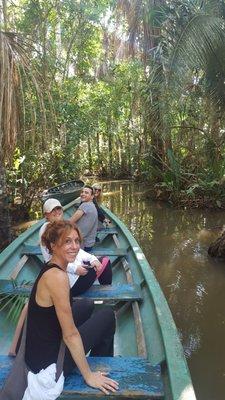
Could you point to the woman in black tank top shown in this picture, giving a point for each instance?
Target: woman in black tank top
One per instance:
(50, 315)
(44, 333)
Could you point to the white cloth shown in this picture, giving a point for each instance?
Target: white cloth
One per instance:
(81, 257)
(44, 250)
(42, 386)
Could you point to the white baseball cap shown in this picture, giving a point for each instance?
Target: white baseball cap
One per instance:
(50, 204)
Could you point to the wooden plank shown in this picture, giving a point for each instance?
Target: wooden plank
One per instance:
(10, 287)
(18, 267)
(30, 250)
(104, 233)
(124, 292)
(109, 231)
(7, 286)
(120, 292)
(137, 378)
(141, 344)
(120, 252)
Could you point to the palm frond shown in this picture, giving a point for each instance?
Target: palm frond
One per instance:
(213, 7)
(198, 41)
(17, 78)
(201, 47)
(13, 298)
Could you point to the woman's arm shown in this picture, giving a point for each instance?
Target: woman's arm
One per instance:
(59, 292)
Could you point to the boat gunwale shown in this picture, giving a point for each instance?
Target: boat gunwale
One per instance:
(14, 245)
(179, 374)
(63, 185)
(7, 252)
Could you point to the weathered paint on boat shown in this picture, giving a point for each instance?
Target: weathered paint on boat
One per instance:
(162, 343)
(65, 192)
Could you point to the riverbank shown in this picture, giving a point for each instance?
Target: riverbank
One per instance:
(194, 197)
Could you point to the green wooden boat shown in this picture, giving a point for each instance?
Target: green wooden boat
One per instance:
(65, 192)
(149, 362)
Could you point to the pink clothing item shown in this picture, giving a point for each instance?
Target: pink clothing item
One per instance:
(104, 261)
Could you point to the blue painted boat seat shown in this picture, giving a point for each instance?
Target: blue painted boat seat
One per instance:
(119, 252)
(32, 250)
(120, 292)
(137, 378)
(35, 250)
(109, 231)
(104, 233)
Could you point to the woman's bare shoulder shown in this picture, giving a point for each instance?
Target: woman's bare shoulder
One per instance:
(56, 275)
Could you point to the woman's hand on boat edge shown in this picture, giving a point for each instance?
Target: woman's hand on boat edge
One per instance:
(99, 380)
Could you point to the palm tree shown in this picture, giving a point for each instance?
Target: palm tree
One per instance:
(15, 71)
(144, 19)
(198, 56)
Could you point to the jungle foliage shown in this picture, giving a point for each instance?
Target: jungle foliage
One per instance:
(126, 88)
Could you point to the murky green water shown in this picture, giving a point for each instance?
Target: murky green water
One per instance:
(193, 284)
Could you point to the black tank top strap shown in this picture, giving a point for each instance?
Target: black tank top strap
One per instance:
(50, 265)
(46, 267)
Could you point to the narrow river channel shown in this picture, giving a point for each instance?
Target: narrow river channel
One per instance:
(194, 285)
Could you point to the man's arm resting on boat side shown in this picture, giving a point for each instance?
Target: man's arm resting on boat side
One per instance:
(59, 291)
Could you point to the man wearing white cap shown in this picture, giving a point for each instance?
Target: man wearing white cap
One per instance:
(52, 210)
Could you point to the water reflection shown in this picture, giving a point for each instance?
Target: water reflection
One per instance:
(193, 284)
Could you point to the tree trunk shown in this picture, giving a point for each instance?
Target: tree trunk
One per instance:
(3, 15)
(5, 223)
(99, 158)
(213, 150)
(128, 140)
(110, 145)
(90, 162)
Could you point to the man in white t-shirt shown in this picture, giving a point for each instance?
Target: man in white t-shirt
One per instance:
(83, 271)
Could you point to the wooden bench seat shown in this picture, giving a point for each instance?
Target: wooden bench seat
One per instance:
(137, 378)
(121, 292)
(104, 232)
(32, 250)
(108, 231)
(122, 252)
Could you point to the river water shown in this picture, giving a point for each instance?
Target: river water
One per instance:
(175, 243)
